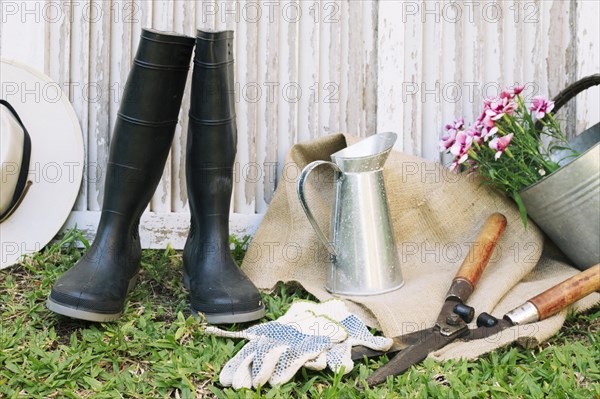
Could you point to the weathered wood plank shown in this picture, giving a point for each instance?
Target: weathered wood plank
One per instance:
(58, 43)
(287, 89)
(331, 54)
(452, 85)
(255, 170)
(588, 62)
(98, 14)
(370, 66)
(79, 78)
(206, 14)
(243, 198)
(299, 79)
(247, 92)
(268, 106)
(413, 80)
(351, 62)
(430, 92)
(390, 70)
(347, 101)
(157, 230)
(509, 43)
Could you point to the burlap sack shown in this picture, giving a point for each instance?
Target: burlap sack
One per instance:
(435, 215)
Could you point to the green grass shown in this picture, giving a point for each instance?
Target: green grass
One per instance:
(157, 351)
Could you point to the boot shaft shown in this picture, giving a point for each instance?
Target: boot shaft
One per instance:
(212, 132)
(213, 100)
(157, 79)
(146, 122)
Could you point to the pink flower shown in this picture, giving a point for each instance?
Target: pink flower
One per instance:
(454, 166)
(489, 131)
(512, 92)
(494, 109)
(508, 94)
(458, 124)
(475, 132)
(501, 106)
(460, 148)
(540, 106)
(447, 140)
(500, 143)
(485, 126)
(518, 90)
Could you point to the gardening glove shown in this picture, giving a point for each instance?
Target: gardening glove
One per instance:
(340, 354)
(279, 348)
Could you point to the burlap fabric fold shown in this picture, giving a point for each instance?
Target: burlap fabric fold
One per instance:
(435, 216)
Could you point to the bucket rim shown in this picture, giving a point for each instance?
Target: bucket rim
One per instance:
(562, 168)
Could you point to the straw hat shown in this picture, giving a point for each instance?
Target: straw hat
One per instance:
(41, 158)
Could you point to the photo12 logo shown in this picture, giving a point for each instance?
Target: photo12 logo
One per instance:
(31, 92)
(471, 11)
(289, 92)
(454, 92)
(52, 92)
(271, 11)
(57, 11)
(38, 172)
(10, 249)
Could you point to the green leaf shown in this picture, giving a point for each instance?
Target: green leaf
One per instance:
(179, 333)
(93, 383)
(12, 367)
(521, 206)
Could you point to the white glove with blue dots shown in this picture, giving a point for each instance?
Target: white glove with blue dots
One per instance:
(309, 334)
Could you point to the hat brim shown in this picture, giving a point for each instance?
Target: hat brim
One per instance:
(57, 160)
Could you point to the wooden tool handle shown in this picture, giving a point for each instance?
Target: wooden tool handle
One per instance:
(569, 291)
(477, 258)
(482, 249)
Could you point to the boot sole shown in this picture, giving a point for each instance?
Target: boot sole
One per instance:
(87, 314)
(225, 318)
(230, 318)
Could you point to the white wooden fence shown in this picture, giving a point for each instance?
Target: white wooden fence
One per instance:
(305, 69)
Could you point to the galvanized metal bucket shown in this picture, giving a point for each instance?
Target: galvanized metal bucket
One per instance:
(566, 203)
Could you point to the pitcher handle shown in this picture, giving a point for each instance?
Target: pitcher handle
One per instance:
(300, 190)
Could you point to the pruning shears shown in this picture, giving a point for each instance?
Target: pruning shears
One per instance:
(451, 323)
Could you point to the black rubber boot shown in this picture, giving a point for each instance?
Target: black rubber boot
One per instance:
(218, 288)
(96, 287)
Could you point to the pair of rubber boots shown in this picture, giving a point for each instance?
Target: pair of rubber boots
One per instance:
(96, 287)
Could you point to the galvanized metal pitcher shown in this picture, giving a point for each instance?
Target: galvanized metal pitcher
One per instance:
(364, 259)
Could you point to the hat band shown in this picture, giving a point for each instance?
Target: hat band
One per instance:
(22, 183)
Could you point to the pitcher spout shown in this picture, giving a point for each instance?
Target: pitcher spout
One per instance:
(367, 155)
